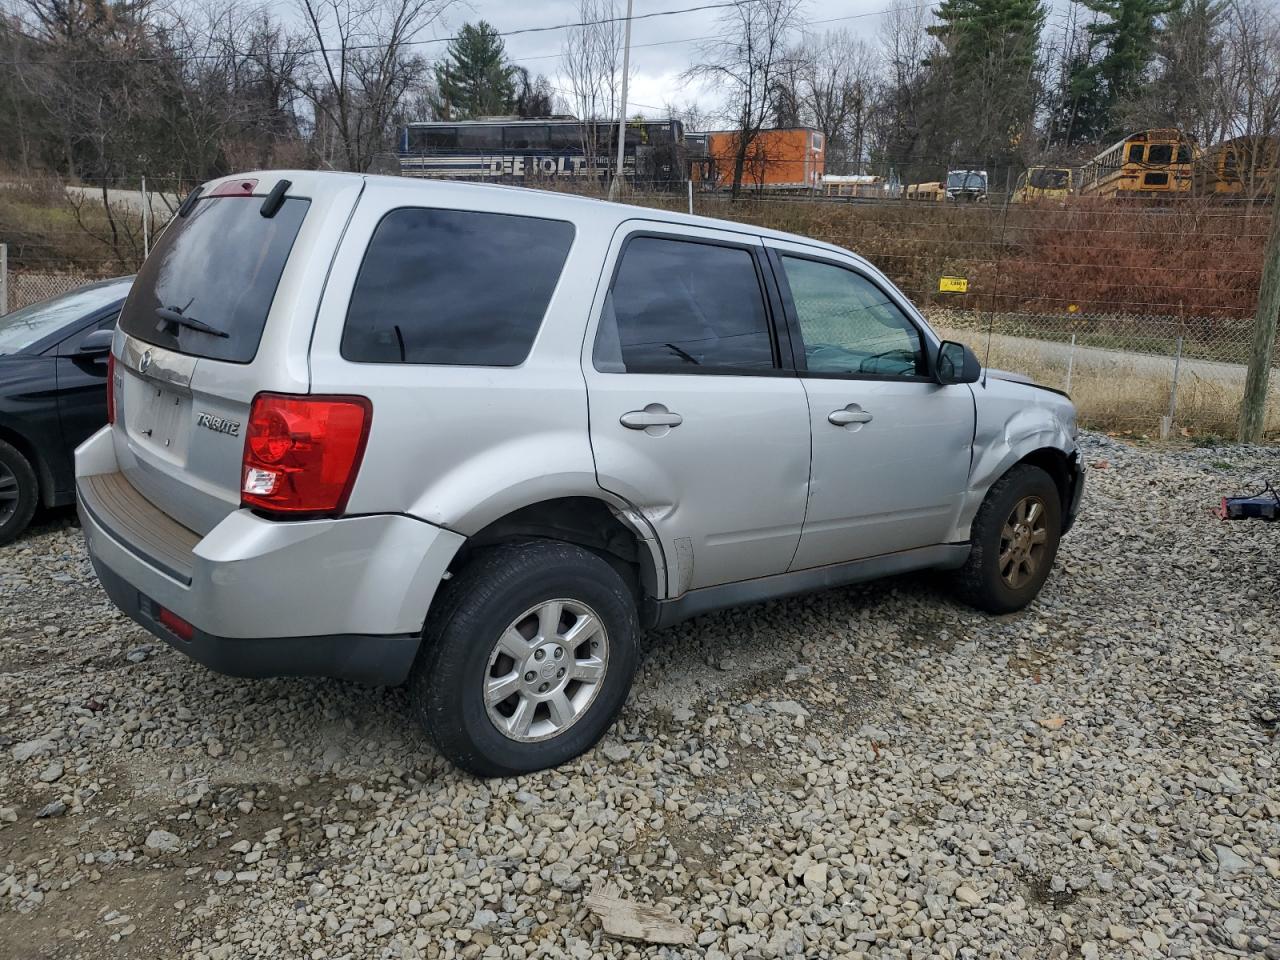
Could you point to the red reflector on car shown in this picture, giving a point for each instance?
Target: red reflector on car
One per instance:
(302, 453)
(175, 624)
(235, 188)
(111, 388)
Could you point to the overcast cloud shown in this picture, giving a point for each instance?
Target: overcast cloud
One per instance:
(661, 47)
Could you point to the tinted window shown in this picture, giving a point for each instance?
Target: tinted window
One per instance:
(454, 287)
(219, 265)
(525, 137)
(848, 324)
(30, 325)
(684, 307)
(1160, 153)
(1135, 152)
(433, 138)
(566, 137)
(480, 138)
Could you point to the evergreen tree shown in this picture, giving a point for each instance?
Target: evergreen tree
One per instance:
(1182, 93)
(984, 82)
(1125, 33)
(475, 79)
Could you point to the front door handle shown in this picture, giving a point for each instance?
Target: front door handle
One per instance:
(654, 415)
(848, 415)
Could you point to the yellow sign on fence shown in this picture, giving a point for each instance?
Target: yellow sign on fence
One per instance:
(953, 285)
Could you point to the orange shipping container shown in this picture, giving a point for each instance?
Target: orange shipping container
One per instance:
(789, 158)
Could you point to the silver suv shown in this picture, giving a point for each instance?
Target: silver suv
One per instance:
(476, 438)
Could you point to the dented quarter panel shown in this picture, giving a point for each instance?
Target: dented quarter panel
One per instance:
(1014, 419)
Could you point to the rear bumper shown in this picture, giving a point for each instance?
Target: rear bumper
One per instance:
(341, 598)
(372, 659)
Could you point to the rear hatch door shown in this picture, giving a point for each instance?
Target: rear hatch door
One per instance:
(222, 309)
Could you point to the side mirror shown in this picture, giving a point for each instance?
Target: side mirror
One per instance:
(96, 344)
(956, 363)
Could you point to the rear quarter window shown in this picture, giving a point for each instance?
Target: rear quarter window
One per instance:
(454, 287)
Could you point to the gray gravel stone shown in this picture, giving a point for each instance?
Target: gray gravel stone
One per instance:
(875, 772)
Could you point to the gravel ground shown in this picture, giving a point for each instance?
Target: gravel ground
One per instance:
(874, 772)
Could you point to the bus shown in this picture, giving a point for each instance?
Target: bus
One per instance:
(516, 149)
(860, 187)
(932, 191)
(1151, 164)
(1243, 168)
(961, 186)
(1043, 183)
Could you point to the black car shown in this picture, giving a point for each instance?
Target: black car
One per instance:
(53, 395)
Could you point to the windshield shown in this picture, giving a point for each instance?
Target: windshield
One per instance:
(1049, 179)
(966, 179)
(208, 284)
(23, 328)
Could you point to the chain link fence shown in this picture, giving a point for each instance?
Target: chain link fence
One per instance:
(1144, 315)
(23, 288)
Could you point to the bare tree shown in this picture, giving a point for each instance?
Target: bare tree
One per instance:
(839, 86)
(746, 60)
(592, 63)
(905, 46)
(364, 65)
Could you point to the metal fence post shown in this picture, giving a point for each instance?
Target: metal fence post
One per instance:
(1166, 425)
(4, 278)
(146, 221)
(1071, 362)
(690, 182)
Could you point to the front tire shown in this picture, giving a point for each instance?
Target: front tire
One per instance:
(1015, 538)
(19, 491)
(527, 659)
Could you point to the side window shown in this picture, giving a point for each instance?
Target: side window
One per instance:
(454, 287)
(679, 306)
(848, 325)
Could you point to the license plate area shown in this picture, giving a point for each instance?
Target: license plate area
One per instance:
(159, 419)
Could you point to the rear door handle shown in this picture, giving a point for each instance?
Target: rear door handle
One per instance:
(654, 415)
(847, 415)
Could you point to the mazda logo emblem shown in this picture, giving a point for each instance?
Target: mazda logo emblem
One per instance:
(145, 362)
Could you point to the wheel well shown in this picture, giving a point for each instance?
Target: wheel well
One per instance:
(44, 478)
(1056, 465)
(584, 521)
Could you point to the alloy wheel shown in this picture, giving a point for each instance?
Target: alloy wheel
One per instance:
(1022, 542)
(546, 670)
(8, 493)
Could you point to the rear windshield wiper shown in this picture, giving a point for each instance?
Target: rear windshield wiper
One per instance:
(175, 315)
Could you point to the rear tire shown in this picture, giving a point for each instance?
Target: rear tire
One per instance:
(527, 658)
(19, 492)
(1015, 538)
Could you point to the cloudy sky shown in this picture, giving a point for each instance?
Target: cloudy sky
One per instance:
(662, 47)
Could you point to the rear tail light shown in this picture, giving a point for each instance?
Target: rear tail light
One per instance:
(302, 453)
(111, 388)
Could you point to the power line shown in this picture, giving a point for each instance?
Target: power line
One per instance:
(518, 31)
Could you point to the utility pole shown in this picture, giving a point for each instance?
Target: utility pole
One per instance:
(615, 188)
(1253, 408)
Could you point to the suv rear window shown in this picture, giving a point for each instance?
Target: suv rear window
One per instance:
(454, 287)
(219, 265)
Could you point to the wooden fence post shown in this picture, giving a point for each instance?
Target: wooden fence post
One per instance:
(1253, 408)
